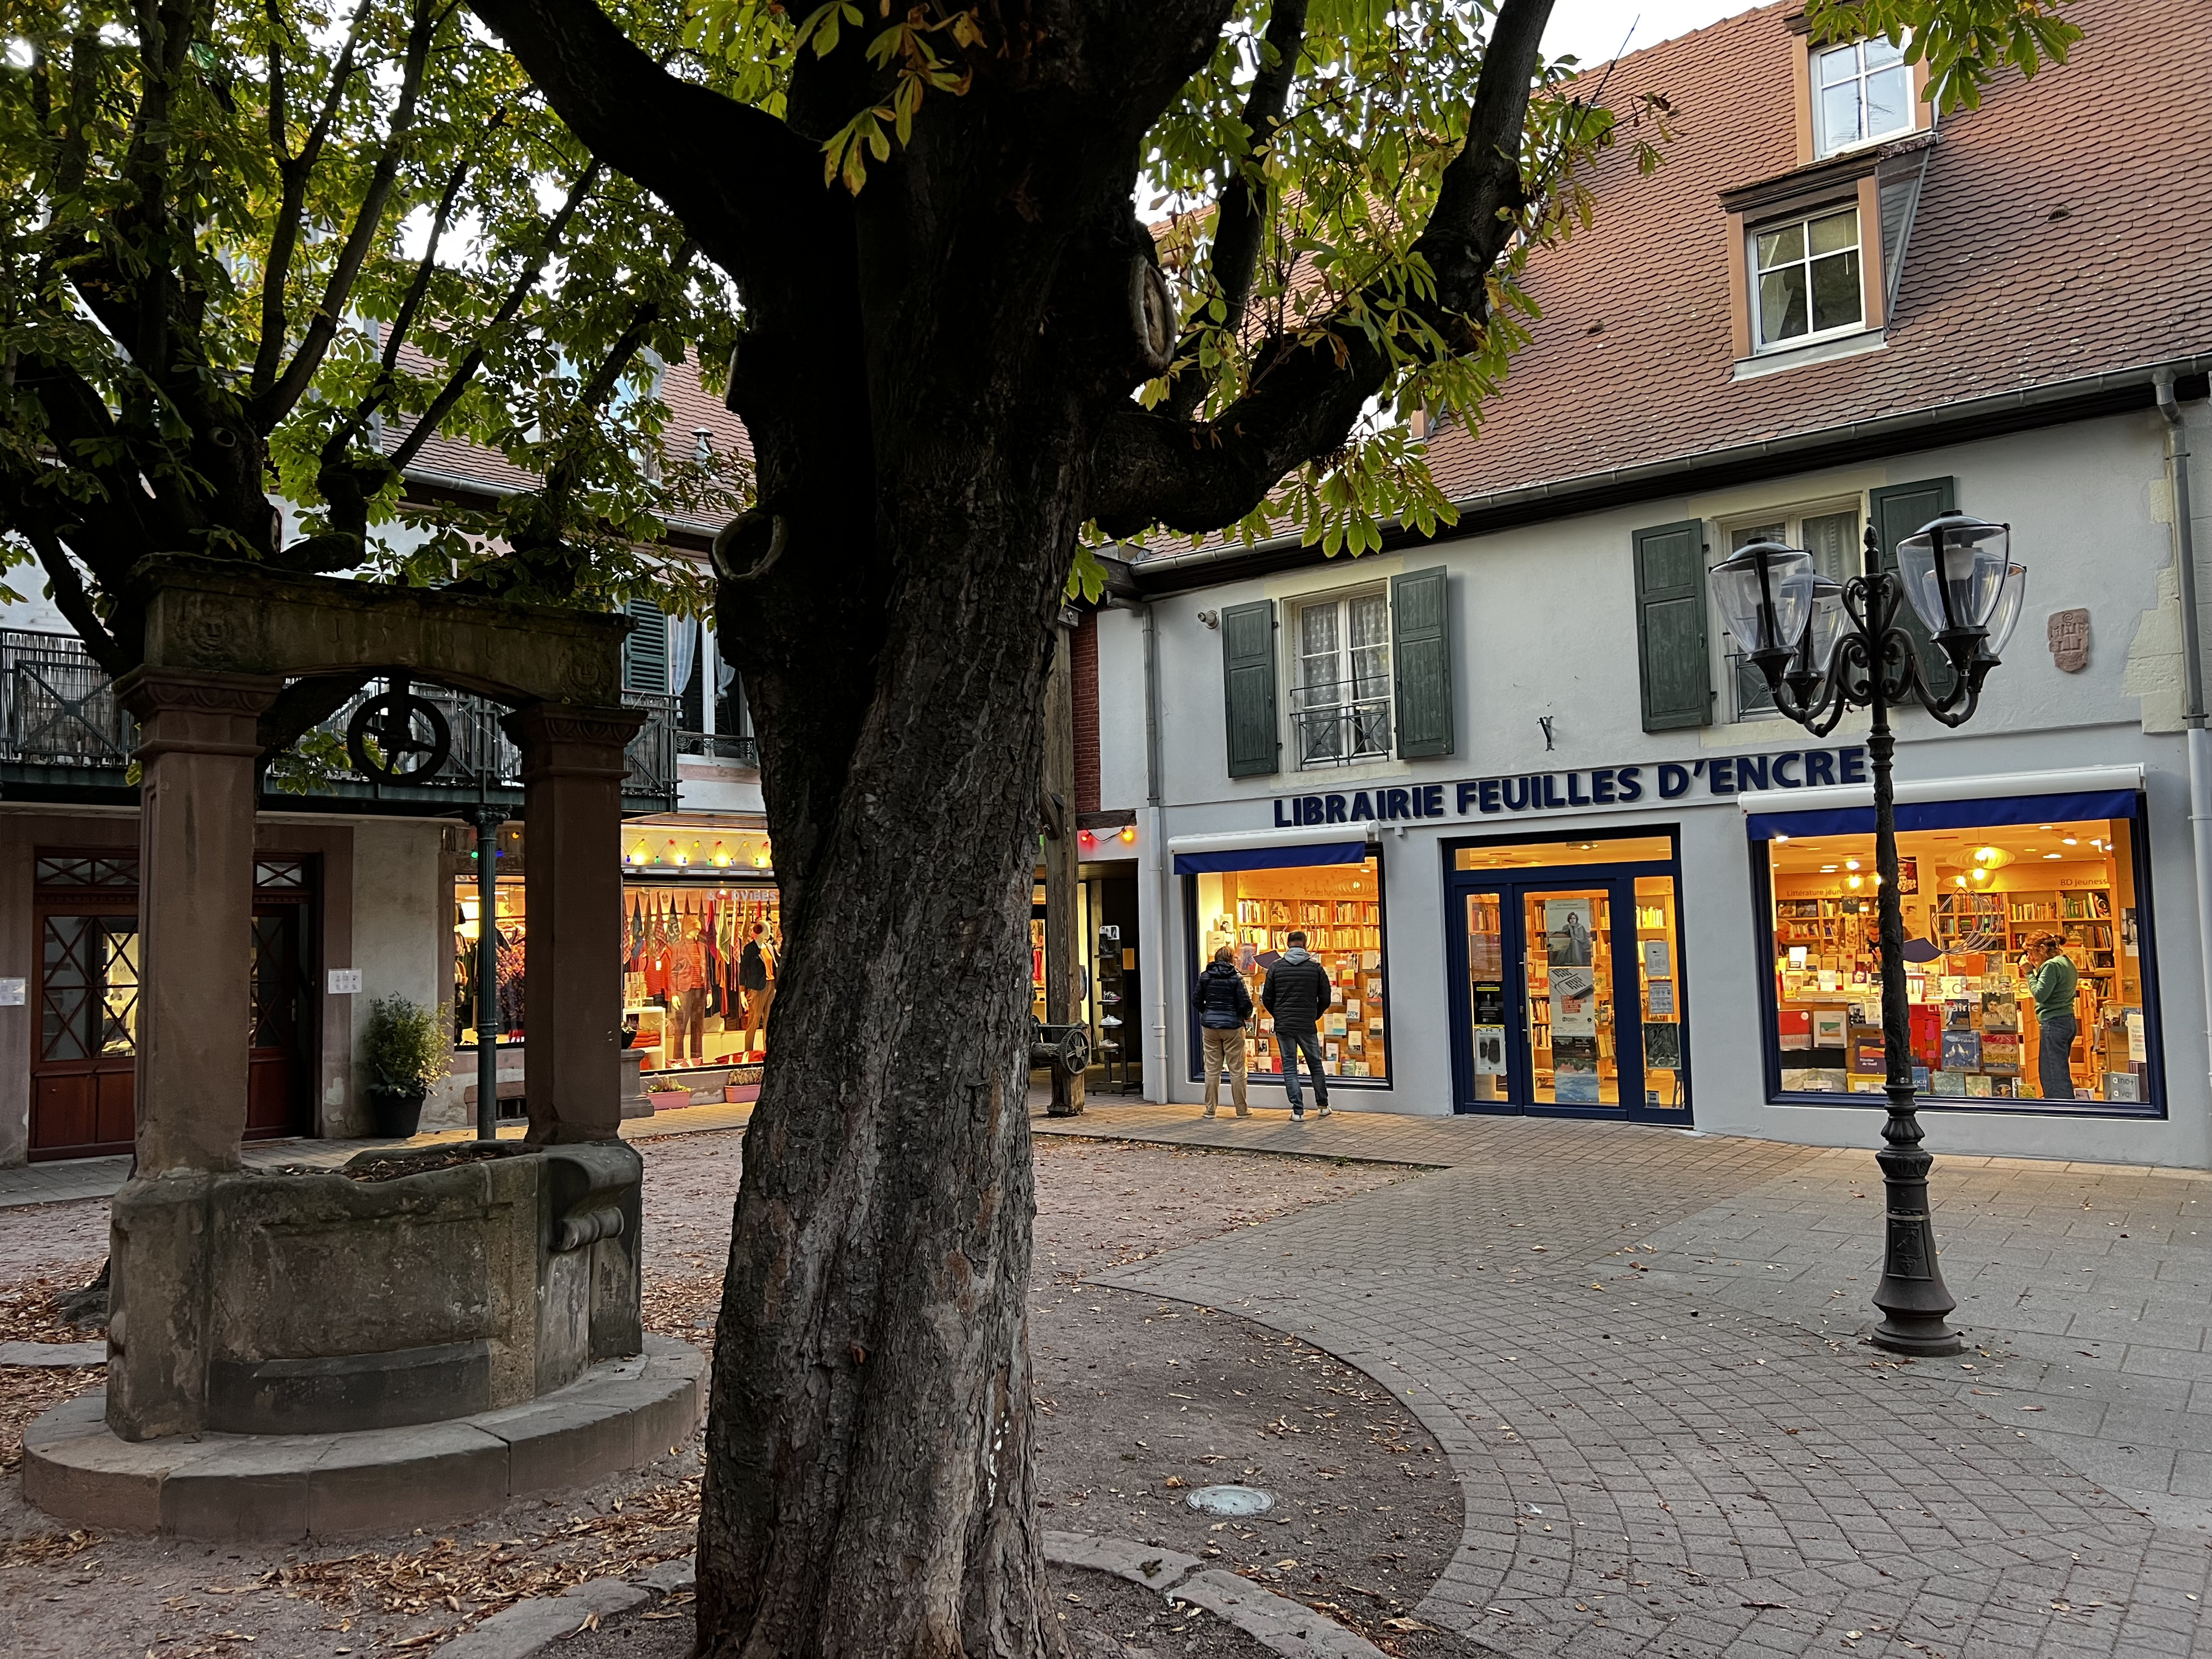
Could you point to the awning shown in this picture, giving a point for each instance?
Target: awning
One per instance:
(1267, 849)
(2003, 798)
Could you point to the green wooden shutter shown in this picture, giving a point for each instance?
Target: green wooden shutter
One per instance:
(1420, 660)
(1247, 688)
(1676, 677)
(645, 653)
(1897, 510)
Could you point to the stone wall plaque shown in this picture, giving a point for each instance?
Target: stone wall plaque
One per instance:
(2070, 640)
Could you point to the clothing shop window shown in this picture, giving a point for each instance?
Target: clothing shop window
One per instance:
(1339, 908)
(1805, 279)
(1861, 92)
(700, 964)
(1340, 684)
(510, 925)
(1981, 884)
(1832, 539)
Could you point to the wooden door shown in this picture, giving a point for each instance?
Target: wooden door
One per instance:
(84, 1068)
(276, 1071)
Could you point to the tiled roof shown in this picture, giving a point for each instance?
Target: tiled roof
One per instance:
(690, 407)
(2001, 289)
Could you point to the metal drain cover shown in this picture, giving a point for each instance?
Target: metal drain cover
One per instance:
(1231, 1500)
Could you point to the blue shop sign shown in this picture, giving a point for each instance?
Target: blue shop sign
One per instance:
(1719, 775)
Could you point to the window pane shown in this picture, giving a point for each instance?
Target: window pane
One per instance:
(1832, 539)
(66, 983)
(1839, 115)
(1744, 537)
(1836, 231)
(1317, 631)
(1879, 51)
(1781, 304)
(1339, 909)
(1836, 296)
(1838, 65)
(1370, 644)
(1888, 101)
(1778, 247)
(1976, 896)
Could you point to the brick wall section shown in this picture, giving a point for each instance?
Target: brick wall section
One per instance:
(1086, 713)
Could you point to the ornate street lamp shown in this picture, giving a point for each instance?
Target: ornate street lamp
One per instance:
(1826, 647)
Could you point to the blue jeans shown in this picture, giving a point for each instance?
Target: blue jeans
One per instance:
(2054, 1044)
(1307, 1043)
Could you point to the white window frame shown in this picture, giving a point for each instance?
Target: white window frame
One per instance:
(1804, 219)
(1822, 149)
(1361, 714)
(1791, 518)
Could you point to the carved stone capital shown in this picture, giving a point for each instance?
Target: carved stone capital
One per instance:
(572, 740)
(179, 709)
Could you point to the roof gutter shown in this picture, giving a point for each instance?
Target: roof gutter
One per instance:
(2051, 405)
(2194, 735)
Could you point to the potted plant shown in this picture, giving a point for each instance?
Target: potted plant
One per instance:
(404, 1052)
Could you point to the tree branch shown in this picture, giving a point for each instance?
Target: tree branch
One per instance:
(271, 404)
(742, 183)
(1241, 216)
(295, 171)
(1152, 468)
(74, 603)
(473, 359)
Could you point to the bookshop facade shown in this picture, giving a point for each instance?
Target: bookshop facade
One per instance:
(1707, 957)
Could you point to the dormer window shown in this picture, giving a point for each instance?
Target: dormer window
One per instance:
(1805, 279)
(1862, 93)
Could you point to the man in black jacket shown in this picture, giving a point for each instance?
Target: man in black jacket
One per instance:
(1222, 1005)
(1297, 993)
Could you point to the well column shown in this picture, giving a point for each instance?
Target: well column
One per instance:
(198, 745)
(573, 766)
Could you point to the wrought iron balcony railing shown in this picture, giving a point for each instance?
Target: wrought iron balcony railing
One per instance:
(719, 745)
(61, 725)
(1333, 727)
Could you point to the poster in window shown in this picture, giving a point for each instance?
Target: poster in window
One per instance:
(1567, 932)
(1574, 1070)
(1490, 1051)
(1656, 964)
(1574, 1002)
(1662, 1046)
(1660, 993)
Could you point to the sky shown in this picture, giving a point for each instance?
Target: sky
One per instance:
(1593, 29)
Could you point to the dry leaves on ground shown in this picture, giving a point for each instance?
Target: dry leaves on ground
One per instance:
(27, 1306)
(683, 1305)
(476, 1580)
(27, 1390)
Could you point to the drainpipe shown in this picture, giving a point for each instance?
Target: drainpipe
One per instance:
(1156, 832)
(2198, 740)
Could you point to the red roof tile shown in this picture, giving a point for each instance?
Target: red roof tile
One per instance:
(1997, 294)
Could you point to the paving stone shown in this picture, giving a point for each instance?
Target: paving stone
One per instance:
(60, 1355)
(1912, 1499)
(1278, 1624)
(530, 1627)
(1140, 1563)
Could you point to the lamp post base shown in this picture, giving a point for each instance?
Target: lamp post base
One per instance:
(1914, 1301)
(1928, 1339)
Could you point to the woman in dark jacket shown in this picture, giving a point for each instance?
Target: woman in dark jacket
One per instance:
(1222, 1005)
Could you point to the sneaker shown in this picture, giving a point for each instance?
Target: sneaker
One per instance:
(1298, 1114)
(1326, 1108)
(1208, 1112)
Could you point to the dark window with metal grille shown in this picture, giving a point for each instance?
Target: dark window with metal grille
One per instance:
(89, 870)
(89, 987)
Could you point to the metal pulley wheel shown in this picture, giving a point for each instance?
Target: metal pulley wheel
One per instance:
(1067, 1047)
(409, 733)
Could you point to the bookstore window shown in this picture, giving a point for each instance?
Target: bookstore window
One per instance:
(1975, 899)
(1339, 908)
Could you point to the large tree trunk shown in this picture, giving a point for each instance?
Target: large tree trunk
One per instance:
(869, 1460)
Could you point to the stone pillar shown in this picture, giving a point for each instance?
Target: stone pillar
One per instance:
(198, 745)
(572, 775)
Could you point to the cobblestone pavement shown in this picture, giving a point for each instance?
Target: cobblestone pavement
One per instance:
(1638, 1347)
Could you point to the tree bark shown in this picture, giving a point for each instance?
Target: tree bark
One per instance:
(936, 376)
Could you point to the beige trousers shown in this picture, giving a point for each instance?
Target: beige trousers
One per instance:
(1223, 1049)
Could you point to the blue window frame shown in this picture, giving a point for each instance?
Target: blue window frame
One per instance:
(1978, 878)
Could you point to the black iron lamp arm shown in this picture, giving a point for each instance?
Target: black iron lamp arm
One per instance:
(1818, 698)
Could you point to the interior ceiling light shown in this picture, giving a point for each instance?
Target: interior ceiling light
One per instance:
(2054, 855)
(1851, 863)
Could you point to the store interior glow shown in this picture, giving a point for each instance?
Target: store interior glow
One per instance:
(672, 853)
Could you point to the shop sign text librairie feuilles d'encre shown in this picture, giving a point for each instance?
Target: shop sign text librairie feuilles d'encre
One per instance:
(1609, 786)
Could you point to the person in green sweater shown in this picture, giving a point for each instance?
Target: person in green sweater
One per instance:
(2050, 981)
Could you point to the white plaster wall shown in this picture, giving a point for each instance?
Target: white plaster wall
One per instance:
(1543, 623)
(718, 789)
(402, 937)
(1121, 780)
